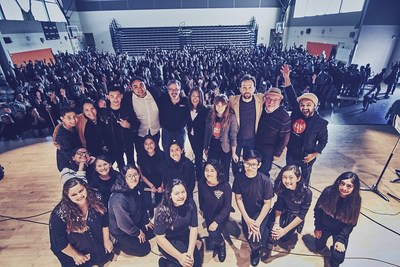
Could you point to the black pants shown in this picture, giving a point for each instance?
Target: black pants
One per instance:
(337, 257)
(118, 155)
(305, 168)
(285, 220)
(256, 245)
(215, 152)
(67, 261)
(215, 238)
(267, 158)
(182, 247)
(197, 145)
(131, 244)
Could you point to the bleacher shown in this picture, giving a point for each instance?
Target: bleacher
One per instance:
(136, 41)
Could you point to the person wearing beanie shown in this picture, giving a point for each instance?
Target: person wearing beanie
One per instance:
(309, 133)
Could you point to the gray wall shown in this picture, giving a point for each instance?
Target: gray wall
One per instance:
(96, 5)
(18, 31)
(373, 41)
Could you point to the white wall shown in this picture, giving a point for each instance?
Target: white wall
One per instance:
(99, 21)
(331, 35)
(21, 44)
(376, 46)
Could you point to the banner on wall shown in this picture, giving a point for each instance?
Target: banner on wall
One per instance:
(316, 49)
(41, 54)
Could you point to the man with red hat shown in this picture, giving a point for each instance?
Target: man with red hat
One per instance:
(309, 133)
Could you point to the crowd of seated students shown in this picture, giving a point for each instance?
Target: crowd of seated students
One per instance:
(31, 95)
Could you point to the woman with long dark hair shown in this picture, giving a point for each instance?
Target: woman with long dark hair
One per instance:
(292, 205)
(215, 199)
(196, 124)
(150, 164)
(176, 227)
(336, 213)
(221, 133)
(178, 166)
(79, 234)
(129, 221)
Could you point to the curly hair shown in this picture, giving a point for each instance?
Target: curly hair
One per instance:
(73, 214)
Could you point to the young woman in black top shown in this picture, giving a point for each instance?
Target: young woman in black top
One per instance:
(103, 177)
(175, 227)
(150, 164)
(336, 213)
(215, 199)
(178, 166)
(79, 234)
(196, 124)
(291, 207)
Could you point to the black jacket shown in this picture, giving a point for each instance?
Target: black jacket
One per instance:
(127, 212)
(316, 134)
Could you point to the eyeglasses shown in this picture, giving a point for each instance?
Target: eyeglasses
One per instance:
(82, 153)
(174, 90)
(252, 165)
(272, 100)
(130, 176)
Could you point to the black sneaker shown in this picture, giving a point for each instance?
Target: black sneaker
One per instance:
(222, 252)
(255, 258)
(162, 262)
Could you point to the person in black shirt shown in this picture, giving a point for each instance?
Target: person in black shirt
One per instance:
(173, 115)
(253, 193)
(129, 221)
(175, 227)
(103, 177)
(215, 199)
(309, 134)
(79, 234)
(196, 126)
(291, 207)
(336, 213)
(122, 125)
(178, 166)
(150, 164)
(67, 138)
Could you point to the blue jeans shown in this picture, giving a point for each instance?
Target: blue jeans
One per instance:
(245, 145)
(168, 137)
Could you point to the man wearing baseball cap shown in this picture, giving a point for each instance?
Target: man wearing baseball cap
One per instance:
(309, 133)
(273, 129)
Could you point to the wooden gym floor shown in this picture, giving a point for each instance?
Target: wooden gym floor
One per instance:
(32, 187)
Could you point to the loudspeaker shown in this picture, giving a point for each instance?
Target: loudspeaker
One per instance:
(7, 40)
(308, 30)
(352, 34)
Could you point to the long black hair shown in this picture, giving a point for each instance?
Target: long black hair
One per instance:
(349, 208)
(167, 212)
(300, 192)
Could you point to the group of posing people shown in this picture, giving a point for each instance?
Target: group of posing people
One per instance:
(250, 130)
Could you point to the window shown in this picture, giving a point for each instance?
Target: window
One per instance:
(309, 8)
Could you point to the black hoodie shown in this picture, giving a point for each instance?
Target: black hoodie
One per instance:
(126, 209)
